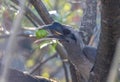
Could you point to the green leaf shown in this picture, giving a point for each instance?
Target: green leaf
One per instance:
(52, 48)
(41, 33)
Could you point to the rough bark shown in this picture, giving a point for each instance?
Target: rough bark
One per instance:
(110, 34)
(88, 21)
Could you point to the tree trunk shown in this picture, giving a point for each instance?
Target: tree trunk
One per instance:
(89, 20)
(110, 34)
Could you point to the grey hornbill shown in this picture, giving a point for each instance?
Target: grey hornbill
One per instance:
(85, 55)
(63, 32)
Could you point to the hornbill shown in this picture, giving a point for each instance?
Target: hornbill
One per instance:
(63, 32)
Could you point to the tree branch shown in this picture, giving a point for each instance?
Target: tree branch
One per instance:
(42, 11)
(30, 15)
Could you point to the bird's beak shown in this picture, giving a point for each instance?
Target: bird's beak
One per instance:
(45, 27)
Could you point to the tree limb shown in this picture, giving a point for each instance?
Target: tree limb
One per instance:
(109, 36)
(30, 15)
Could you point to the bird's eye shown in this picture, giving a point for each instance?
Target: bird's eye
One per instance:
(66, 31)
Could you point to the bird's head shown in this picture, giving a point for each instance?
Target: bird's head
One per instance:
(59, 31)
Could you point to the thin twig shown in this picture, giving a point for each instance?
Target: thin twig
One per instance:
(30, 15)
(18, 35)
(65, 71)
(37, 66)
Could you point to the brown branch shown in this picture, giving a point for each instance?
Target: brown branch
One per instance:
(30, 15)
(42, 11)
(65, 71)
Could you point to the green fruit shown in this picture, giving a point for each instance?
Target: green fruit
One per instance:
(41, 33)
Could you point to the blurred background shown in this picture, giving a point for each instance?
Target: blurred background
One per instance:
(39, 58)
